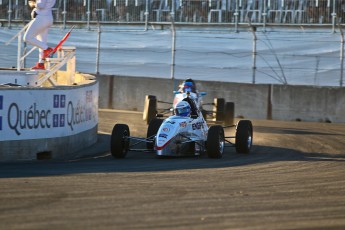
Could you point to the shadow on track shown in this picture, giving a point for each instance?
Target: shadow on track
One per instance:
(103, 162)
(300, 131)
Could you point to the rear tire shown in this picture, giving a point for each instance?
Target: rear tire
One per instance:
(215, 142)
(204, 113)
(219, 104)
(150, 108)
(244, 136)
(152, 130)
(229, 115)
(119, 141)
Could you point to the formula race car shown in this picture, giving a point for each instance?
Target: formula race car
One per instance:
(221, 113)
(181, 134)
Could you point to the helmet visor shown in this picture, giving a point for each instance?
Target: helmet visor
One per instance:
(183, 111)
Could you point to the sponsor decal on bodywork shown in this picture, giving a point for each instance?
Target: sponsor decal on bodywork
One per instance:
(165, 129)
(183, 124)
(197, 125)
(163, 135)
(160, 142)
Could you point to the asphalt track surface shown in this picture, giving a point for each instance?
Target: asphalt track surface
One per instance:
(293, 179)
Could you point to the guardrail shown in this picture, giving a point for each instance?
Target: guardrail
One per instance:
(294, 12)
(19, 35)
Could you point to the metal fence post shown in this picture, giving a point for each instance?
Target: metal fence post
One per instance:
(334, 17)
(341, 56)
(146, 14)
(172, 14)
(254, 53)
(173, 49)
(88, 14)
(236, 17)
(98, 48)
(64, 12)
(9, 13)
(264, 14)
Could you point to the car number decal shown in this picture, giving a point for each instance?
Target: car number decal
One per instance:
(197, 125)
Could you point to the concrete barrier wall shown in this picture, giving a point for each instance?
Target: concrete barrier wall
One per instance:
(280, 102)
(325, 104)
(47, 148)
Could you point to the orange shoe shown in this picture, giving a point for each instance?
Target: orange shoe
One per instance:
(47, 53)
(38, 66)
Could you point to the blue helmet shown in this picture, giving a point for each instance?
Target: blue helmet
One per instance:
(188, 87)
(182, 109)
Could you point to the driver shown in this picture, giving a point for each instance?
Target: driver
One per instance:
(188, 86)
(182, 109)
(192, 104)
(186, 108)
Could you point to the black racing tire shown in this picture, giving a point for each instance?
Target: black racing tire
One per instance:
(244, 136)
(229, 114)
(219, 104)
(152, 130)
(119, 143)
(215, 142)
(150, 108)
(204, 114)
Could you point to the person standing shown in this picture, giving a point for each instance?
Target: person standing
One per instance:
(37, 32)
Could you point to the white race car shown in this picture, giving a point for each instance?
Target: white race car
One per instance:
(184, 133)
(221, 112)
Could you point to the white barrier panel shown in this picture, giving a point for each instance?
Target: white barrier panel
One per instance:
(47, 113)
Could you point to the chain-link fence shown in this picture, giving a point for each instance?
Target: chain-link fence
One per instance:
(289, 58)
(285, 56)
(187, 11)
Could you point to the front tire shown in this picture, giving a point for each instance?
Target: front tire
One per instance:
(244, 136)
(119, 141)
(215, 142)
(152, 130)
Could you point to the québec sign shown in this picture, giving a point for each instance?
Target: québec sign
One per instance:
(33, 114)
